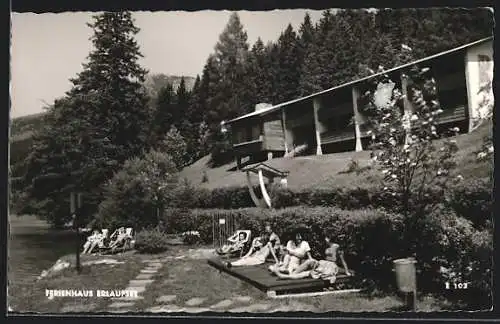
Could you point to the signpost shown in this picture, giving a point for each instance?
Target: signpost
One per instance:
(75, 207)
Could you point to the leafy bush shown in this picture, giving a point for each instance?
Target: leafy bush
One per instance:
(136, 193)
(151, 241)
(473, 200)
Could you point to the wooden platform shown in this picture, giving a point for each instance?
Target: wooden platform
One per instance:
(260, 277)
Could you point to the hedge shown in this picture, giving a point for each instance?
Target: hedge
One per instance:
(372, 239)
(471, 199)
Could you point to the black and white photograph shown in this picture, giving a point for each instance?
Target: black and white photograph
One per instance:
(258, 162)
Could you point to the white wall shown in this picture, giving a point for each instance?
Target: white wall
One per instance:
(477, 73)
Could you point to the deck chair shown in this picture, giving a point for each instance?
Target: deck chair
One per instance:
(105, 241)
(234, 246)
(95, 242)
(123, 241)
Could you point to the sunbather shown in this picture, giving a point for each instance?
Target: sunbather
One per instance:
(92, 241)
(258, 253)
(274, 239)
(121, 235)
(325, 269)
(296, 251)
(238, 241)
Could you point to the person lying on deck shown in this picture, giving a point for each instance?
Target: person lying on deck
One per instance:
(325, 269)
(259, 251)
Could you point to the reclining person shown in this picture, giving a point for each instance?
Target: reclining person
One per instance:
(259, 251)
(238, 242)
(297, 251)
(92, 241)
(325, 269)
(121, 235)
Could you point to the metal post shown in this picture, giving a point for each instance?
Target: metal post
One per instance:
(78, 211)
(74, 213)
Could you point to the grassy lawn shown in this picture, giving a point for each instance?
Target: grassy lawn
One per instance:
(326, 170)
(31, 297)
(189, 278)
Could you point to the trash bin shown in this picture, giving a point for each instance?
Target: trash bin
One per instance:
(406, 274)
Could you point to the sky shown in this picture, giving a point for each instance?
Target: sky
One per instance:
(48, 49)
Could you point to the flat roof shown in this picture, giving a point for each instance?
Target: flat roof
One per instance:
(276, 107)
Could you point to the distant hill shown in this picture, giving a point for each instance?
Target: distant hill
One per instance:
(156, 81)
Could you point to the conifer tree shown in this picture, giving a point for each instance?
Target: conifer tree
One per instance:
(102, 121)
(288, 76)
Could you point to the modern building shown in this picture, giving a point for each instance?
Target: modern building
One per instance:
(322, 122)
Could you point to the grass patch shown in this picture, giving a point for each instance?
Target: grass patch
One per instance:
(189, 278)
(31, 297)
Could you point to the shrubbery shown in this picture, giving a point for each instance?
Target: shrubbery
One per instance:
(137, 192)
(151, 241)
(471, 200)
(372, 239)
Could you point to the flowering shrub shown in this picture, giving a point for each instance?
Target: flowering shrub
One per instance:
(191, 237)
(403, 141)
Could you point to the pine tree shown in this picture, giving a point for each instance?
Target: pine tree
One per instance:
(228, 93)
(288, 77)
(164, 115)
(102, 121)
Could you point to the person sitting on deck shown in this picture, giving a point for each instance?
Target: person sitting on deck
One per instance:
(258, 253)
(296, 251)
(325, 269)
(274, 239)
(238, 241)
(92, 241)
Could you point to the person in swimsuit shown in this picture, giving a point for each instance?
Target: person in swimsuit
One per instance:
(296, 252)
(274, 239)
(258, 253)
(325, 269)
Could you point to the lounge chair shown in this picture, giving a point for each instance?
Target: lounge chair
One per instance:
(235, 246)
(123, 240)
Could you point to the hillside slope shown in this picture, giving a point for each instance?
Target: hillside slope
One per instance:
(328, 170)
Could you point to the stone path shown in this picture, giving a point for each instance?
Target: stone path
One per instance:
(138, 285)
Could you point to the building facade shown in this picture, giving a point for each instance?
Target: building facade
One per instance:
(321, 123)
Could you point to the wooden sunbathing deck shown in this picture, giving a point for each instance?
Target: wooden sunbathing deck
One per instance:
(260, 277)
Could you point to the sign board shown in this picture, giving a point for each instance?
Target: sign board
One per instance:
(222, 221)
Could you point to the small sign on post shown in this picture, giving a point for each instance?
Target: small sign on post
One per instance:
(407, 280)
(222, 221)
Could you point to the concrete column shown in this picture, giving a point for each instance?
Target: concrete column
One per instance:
(317, 126)
(408, 109)
(357, 119)
(285, 132)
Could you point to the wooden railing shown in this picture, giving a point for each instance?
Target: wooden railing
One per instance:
(333, 136)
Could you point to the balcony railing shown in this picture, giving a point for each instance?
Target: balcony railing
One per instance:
(333, 136)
